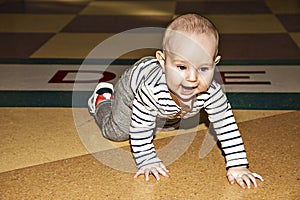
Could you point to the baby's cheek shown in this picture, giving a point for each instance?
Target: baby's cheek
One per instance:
(205, 83)
(202, 87)
(175, 75)
(207, 78)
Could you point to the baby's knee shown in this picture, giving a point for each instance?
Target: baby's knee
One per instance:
(115, 137)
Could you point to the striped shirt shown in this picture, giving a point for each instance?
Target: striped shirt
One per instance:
(152, 99)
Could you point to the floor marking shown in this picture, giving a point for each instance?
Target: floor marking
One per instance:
(48, 77)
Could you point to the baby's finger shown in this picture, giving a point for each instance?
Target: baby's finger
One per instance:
(241, 182)
(163, 172)
(258, 176)
(155, 173)
(230, 179)
(247, 181)
(147, 172)
(164, 167)
(138, 173)
(253, 180)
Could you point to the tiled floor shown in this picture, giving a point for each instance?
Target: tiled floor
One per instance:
(42, 150)
(245, 26)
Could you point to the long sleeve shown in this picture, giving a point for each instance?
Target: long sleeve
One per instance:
(221, 116)
(151, 100)
(142, 128)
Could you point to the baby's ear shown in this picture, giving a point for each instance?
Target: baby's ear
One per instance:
(217, 60)
(161, 58)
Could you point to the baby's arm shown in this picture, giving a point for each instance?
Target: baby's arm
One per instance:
(221, 116)
(142, 127)
(145, 156)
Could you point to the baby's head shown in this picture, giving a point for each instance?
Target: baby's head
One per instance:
(192, 26)
(189, 56)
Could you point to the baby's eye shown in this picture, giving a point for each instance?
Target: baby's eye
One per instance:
(204, 69)
(181, 67)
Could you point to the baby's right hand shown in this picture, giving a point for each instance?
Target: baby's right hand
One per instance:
(155, 169)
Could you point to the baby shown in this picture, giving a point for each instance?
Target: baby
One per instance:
(176, 83)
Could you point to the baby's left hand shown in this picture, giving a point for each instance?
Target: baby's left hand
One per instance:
(242, 175)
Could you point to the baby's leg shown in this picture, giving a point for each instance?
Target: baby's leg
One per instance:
(114, 116)
(108, 125)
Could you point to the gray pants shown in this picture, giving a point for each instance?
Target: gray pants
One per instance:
(114, 117)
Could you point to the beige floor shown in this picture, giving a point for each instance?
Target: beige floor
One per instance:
(32, 136)
(43, 153)
(42, 157)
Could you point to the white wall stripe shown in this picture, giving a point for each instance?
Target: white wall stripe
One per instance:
(22, 77)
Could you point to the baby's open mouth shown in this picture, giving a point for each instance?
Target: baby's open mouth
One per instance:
(187, 90)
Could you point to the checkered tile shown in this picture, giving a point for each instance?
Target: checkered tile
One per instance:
(249, 30)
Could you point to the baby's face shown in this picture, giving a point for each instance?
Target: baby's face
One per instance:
(189, 65)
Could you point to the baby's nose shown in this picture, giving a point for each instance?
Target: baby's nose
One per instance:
(192, 75)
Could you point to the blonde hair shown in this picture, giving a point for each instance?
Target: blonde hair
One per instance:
(191, 24)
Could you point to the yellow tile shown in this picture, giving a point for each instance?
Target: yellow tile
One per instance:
(206, 0)
(246, 23)
(272, 146)
(129, 8)
(247, 115)
(80, 45)
(282, 7)
(33, 23)
(31, 136)
(139, 53)
(70, 45)
(67, 1)
(90, 126)
(296, 38)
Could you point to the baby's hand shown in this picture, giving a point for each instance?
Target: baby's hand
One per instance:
(155, 169)
(242, 175)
